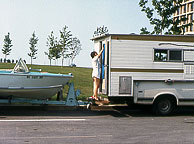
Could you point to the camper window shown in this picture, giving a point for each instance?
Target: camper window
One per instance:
(160, 55)
(175, 55)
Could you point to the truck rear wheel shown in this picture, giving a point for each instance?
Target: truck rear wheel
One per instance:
(164, 106)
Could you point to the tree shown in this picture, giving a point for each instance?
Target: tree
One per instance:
(64, 42)
(164, 21)
(49, 56)
(144, 31)
(33, 42)
(74, 48)
(56, 52)
(100, 31)
(7, 45)
(54, 49)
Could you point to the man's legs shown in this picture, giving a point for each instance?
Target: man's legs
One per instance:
(96, 86)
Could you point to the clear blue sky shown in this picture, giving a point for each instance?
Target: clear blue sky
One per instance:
(22, 17)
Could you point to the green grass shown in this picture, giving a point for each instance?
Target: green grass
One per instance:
(82, 77)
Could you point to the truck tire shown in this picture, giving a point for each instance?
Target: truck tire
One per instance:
(164, 106)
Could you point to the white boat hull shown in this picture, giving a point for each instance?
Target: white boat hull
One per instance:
(29, 93)
(31, 85)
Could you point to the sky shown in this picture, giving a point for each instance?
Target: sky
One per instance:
(23, 17)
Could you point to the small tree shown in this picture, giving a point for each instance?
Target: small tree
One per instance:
(54, 48)
(49, 56)
(7, 45)
(64, 42)
(163, 22)
(74, 49)
(33, 42)
(56, 51)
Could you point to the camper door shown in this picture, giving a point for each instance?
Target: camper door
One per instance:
(104, 67)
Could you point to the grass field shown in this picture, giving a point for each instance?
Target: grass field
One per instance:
(82, 77)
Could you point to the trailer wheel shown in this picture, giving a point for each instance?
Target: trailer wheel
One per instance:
(164, 105)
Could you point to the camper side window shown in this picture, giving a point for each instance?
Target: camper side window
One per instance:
(167, 55)
(175, 55)
(160, 55)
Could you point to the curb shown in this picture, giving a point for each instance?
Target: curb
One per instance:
(60, 107)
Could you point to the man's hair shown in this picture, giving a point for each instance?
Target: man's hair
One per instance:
(93, 54)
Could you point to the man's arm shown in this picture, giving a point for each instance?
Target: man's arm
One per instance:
(100, 53)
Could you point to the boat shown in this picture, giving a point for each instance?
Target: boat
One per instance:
(23, 83)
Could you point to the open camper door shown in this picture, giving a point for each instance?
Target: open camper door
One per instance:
(105, 68)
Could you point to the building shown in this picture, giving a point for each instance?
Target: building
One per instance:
(186, 10)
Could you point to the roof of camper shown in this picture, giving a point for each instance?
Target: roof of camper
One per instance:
(176, 38)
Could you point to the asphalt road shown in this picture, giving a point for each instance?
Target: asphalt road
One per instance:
(24, 125)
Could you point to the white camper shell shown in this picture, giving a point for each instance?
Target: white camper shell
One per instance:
(148, 69)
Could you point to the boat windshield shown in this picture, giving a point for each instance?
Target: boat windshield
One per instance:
(20, 67)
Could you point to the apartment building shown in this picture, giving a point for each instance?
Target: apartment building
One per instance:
(186, 10)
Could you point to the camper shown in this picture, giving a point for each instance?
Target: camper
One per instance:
(147, 69)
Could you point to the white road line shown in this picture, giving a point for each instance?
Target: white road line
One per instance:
(41, 120)
(56, 137)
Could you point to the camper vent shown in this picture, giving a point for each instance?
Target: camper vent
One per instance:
(125, 85)
(189, 69)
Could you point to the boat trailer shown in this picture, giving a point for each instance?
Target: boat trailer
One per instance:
(71, 99)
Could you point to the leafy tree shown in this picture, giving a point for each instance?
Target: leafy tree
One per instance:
(33, 42)
(49, 56)
(64, 42)
(74, 48)
(144, 31)
(7, 45)
(164, 21)
(100, 31)
(54, 49)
